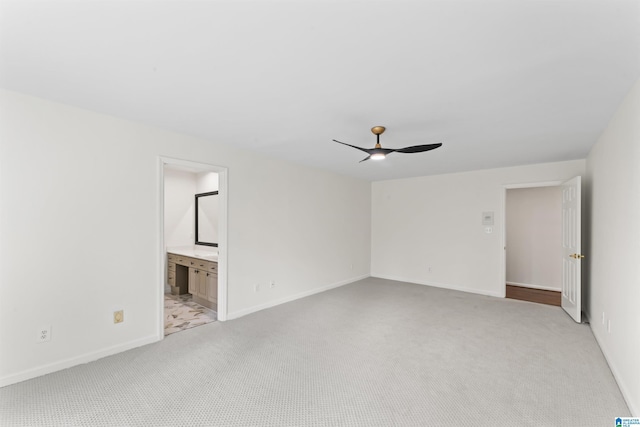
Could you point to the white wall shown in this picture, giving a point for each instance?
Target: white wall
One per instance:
(207, 182)
(534, 237)
(179, 207)
(180, 187)
(429, 230)
(80, 231)
(614, 259)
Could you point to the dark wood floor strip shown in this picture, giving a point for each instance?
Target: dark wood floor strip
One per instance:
(533, 295)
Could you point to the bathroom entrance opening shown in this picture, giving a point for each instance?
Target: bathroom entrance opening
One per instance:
(192, 267)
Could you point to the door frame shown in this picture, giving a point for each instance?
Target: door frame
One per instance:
(222, 235)
(505, 187)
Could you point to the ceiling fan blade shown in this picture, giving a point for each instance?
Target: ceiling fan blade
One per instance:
(366, 150)
(418, 148)
(365, 159)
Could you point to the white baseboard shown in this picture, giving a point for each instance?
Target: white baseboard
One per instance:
(74, 361)
(635, 410)
(529, 285)
(244, 312)
(497, 294)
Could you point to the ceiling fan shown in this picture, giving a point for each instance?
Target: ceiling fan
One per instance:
(379, 153)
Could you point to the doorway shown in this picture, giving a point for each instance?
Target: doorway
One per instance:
(177, 229)
(533, 243)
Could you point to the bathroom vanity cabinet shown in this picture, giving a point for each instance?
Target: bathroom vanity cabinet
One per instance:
(203, 283)
(197, 276)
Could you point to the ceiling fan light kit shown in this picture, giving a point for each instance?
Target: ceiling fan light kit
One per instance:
(379, 153)
(377, 131)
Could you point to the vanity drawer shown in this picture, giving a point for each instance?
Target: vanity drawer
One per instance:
(184, 260)
(178, 259)
(203, 265)
(171, 278)
(213, 267)
(171, 266)
(172, 257)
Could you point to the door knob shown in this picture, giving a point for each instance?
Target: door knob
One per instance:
(576, 256)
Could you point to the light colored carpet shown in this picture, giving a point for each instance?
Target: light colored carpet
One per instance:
(372, 353)
(181, 313)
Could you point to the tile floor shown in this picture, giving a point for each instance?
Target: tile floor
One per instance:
(181, 313)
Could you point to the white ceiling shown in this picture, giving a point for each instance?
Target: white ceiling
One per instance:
(499, 83)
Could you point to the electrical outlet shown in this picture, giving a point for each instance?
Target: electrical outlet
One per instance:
(272, 284)
(44, 334)
(118, 316)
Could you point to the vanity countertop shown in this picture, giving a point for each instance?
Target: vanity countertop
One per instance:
(206, 256)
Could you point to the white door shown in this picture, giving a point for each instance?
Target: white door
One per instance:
(571, 261)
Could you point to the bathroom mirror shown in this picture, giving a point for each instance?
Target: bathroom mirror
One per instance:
(207, 219)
